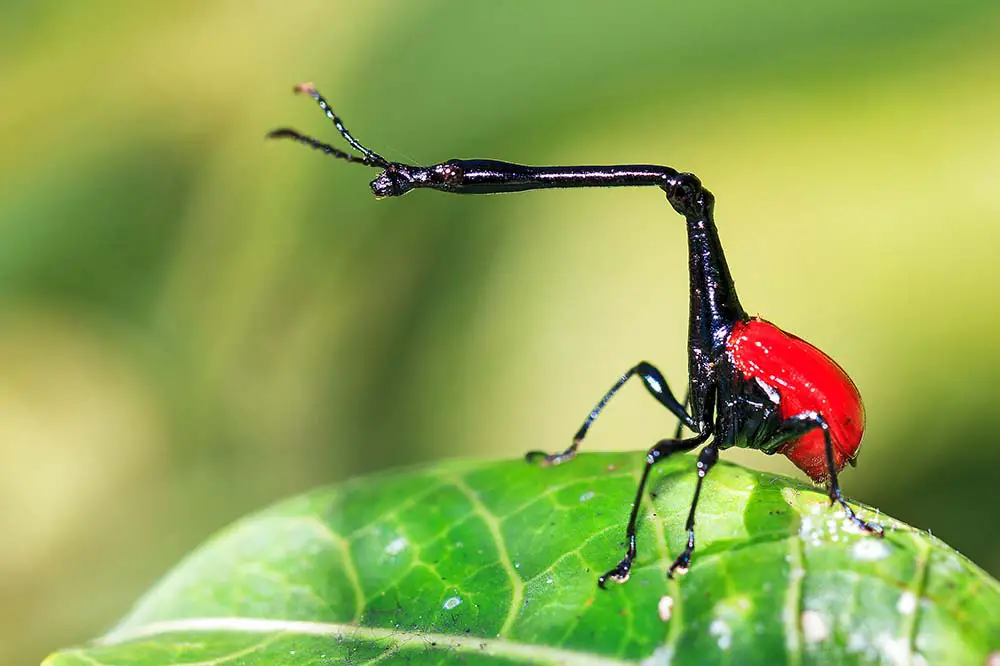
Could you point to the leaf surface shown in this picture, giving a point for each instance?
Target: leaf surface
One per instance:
(496, 563)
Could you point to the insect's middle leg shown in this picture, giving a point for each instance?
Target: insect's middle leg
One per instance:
(706, 460)
(657, 386)
(660, 450)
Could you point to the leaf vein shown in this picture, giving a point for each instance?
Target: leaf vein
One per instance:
(792, 611)
(350, 569)
(394, 512)
(919, 588)
(493, 525)
(573, 552)
(553, 490)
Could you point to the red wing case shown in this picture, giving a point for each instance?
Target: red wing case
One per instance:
(807, 381)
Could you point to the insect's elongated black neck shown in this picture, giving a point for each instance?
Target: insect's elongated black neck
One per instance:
(496, 177)
(714, 305)
(715, 308)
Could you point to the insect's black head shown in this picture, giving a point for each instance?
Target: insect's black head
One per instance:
(398, 179)
(395, 181)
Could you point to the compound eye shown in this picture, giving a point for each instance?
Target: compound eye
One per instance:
(450, 174)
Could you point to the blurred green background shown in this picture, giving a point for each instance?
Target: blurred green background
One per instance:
(195, 322)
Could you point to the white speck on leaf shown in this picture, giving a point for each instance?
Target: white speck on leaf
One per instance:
(665, 606)
(452, 602)
(859, 642)
(589, 495)
(729, 612)
(396, 546)
(814, 627)
(548, 581)
(869, 550)
(722, 633)
(662, 656)
(897, 649)
(907, 603)
(806, 529)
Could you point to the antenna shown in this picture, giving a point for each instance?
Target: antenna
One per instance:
(370, 158)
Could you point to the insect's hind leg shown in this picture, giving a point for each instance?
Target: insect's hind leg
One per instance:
(658, 452)
(657, 386)
(800, 424)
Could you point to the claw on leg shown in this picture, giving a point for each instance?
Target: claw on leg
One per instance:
(544, 459)
(863, 525)
(680, 565)
(619, 574)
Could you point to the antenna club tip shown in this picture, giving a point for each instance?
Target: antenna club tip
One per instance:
(308, 88)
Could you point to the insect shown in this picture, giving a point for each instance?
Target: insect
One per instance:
(750, 383)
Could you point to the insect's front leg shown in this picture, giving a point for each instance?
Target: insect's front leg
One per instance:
(657, 386)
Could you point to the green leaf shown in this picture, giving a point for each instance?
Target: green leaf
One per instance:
(496, 563)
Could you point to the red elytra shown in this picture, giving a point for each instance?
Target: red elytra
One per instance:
(807, 381)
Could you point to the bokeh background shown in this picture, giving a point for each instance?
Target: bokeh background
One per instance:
(195, 322)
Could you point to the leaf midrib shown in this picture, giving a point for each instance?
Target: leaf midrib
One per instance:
(526, 652)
